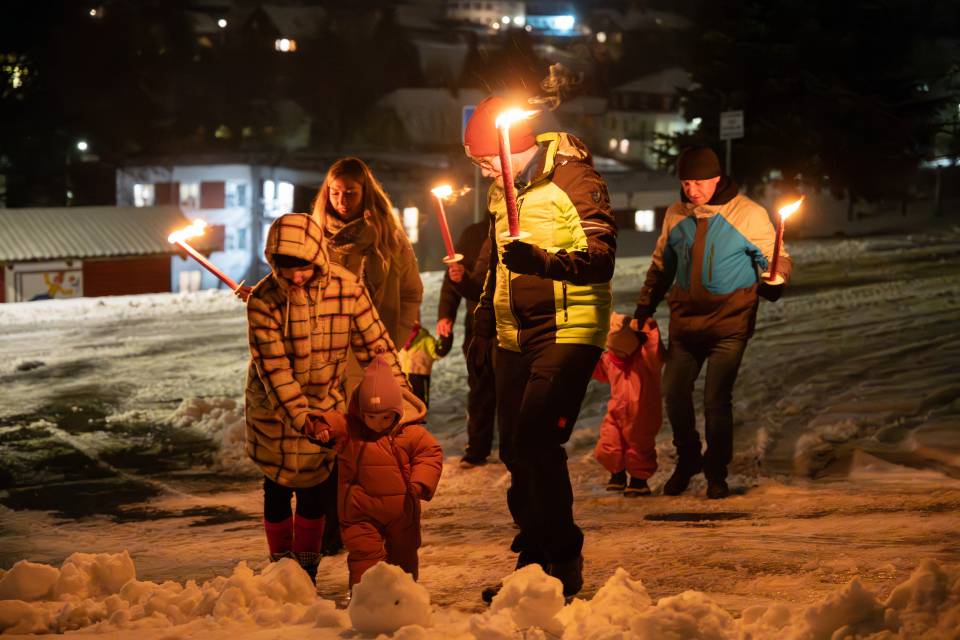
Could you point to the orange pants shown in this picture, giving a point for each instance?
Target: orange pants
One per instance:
(369, 542)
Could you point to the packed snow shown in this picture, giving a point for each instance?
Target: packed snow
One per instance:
(130, 511)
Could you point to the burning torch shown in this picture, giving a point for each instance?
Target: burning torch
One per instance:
(439, 193)
(772, 277)
(503, 122)
(197, 228)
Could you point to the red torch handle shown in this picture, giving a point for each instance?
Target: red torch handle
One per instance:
(776, 249)
(506, 170)
(444, 228)
(227, 280)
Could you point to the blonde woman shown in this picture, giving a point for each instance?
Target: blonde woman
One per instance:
(363, 235)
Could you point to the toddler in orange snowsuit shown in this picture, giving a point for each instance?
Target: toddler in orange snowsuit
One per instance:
(388, 463)
(629, 430)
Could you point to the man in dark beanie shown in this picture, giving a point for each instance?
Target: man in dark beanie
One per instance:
(713, 247)
(547, 301)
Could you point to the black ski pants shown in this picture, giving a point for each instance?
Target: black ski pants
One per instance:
(539, 392)
(481, 405)
(685, 358)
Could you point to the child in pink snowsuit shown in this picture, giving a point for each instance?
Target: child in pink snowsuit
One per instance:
(628, 433)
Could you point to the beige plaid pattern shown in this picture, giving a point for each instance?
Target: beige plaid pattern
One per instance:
(299, 340)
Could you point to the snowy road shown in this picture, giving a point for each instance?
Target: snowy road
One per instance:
(120, 422)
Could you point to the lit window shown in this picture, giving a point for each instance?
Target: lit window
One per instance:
(190, 280)
(624, 146)
(411, 223)
(613, 144)
(285, 45)
(564, 23)
(285, 197)
(190, 195)
(643, 219)
(144, 195)
(601, 37)
(235, 192)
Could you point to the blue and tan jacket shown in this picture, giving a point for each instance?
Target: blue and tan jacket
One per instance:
(563, 204)
(712, 255)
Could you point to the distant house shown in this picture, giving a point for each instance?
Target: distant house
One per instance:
(641, 109)
(71, 252)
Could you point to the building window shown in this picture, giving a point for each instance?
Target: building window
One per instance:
(644, 220)
(236, 193)
(144, 195)
(190, 195)
(277, 197)
(242, 239)
(190, 281)
(411, 223)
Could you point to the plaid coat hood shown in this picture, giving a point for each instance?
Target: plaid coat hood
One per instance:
(299, 338)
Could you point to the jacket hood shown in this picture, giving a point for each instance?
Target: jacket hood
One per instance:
(300, 236)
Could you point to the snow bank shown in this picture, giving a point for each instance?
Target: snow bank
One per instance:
(100, 594)
(219, 419)
(386, 599)
(153, 305)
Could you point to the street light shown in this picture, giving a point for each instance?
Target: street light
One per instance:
(222, 23)
(82, 145)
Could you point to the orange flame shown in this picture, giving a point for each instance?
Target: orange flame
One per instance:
(196, 228)
(447, 193)
(443, 191)
(510, 116)
(790, 209)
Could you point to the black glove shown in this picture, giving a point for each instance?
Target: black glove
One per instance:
(527, 259)
(768, 291)
(478, 351)
(444, 344)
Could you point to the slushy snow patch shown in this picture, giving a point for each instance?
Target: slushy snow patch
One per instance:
(386, 599)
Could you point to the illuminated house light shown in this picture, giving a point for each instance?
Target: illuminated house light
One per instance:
(624, 146)
(505, 19)
(644, 220)
(222, 23)
(601, 37)
(82, 145)
(564, 23)
(518, 21)
(411, 223)
(613, 144)
(285, 45)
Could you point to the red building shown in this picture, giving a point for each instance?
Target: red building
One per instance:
(88, 251)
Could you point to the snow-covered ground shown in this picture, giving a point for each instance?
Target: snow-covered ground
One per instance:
(121, 442)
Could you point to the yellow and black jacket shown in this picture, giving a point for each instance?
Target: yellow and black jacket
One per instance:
(563, 204)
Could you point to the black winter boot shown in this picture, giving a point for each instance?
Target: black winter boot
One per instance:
(717, 488)
(637, 487)
(680, 479)
(617, 481)
(309, 561)
(570, 573)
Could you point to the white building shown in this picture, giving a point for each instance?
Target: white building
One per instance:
(641, 109)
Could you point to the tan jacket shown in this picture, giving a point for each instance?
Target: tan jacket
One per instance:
(299, 338)
(394, 287)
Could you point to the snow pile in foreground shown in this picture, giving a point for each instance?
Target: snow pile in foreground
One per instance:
(100, 594)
